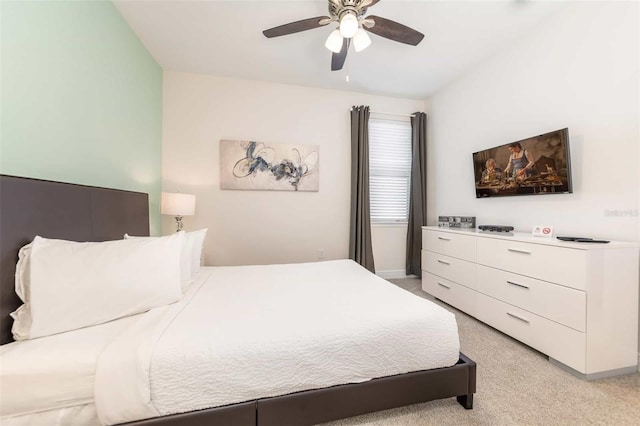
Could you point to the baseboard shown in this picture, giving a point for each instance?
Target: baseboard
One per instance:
(593, 376)
(394, 274)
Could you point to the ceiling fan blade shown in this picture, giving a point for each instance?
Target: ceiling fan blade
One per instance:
(338, 59)
(394, 31)
(296, 27)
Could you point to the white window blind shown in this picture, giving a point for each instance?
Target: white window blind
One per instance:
(389, 170)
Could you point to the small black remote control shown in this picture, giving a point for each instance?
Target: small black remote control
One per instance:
(582, 240)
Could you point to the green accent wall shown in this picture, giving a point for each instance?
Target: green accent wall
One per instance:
(81, 98)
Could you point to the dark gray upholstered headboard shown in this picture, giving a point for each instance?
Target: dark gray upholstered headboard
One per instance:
(30, 207)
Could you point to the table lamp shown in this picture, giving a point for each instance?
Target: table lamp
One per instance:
(178, 205)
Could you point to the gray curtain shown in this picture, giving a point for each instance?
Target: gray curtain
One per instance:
(418, 194)
(360, 248)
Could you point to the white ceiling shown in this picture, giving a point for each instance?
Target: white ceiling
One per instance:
(225, 38)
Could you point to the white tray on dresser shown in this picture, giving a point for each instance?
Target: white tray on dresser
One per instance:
(575, 302)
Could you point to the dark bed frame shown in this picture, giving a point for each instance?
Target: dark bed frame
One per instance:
(30, 207)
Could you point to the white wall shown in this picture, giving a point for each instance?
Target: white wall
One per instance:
(579, 70)
(258, 227)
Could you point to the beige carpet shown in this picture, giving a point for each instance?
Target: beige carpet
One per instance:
(516, 385)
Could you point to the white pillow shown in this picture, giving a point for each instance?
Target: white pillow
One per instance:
(195, 241)
(22, 272)
(185, 260)
(67, 285)
(22, 290)
(192, 252)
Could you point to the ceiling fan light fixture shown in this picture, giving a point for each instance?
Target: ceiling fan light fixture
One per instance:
(361, 40)
(348, 25)
(352, 19)
(334, 41)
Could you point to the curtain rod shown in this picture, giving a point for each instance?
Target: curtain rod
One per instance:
(388, 113)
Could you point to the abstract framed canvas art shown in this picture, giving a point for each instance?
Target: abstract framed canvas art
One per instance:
(268, 166)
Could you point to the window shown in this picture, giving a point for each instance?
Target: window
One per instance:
(389, 170)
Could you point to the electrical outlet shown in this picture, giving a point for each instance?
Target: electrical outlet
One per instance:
(320, 253)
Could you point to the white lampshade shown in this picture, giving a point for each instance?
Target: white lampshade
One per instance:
(348, 25)
(176, 204)
(334, 41)
(361, 40)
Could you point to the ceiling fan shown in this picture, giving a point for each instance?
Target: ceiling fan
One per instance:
(352, 23)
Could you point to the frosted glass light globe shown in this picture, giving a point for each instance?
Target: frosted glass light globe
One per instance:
(361, 40)
(334, 41)
(348, 25)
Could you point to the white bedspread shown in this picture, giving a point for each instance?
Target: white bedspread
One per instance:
(52, 372)
(51, 380)
(257, 331)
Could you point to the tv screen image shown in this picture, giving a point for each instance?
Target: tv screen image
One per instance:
(533, 166)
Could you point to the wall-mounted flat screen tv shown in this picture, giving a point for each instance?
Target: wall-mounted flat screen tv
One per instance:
(533, 166)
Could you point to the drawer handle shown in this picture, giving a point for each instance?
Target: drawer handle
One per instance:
(444, 261)
(518, 317)
(519, 251)
(444, 239)
(517, 285)
(444, 285)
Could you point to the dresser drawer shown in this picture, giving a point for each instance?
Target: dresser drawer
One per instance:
(450, 268)
(451, 244)
(449, 292)
(559, 265)
(562, 343)
(555, 302)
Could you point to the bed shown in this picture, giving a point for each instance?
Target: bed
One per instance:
(328, 392)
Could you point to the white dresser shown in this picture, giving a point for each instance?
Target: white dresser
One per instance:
(575, 302)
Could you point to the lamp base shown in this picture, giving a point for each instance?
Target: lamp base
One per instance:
(179, 225)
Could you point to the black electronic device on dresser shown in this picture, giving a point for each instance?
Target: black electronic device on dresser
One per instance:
(496, 228)
(582, 240)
